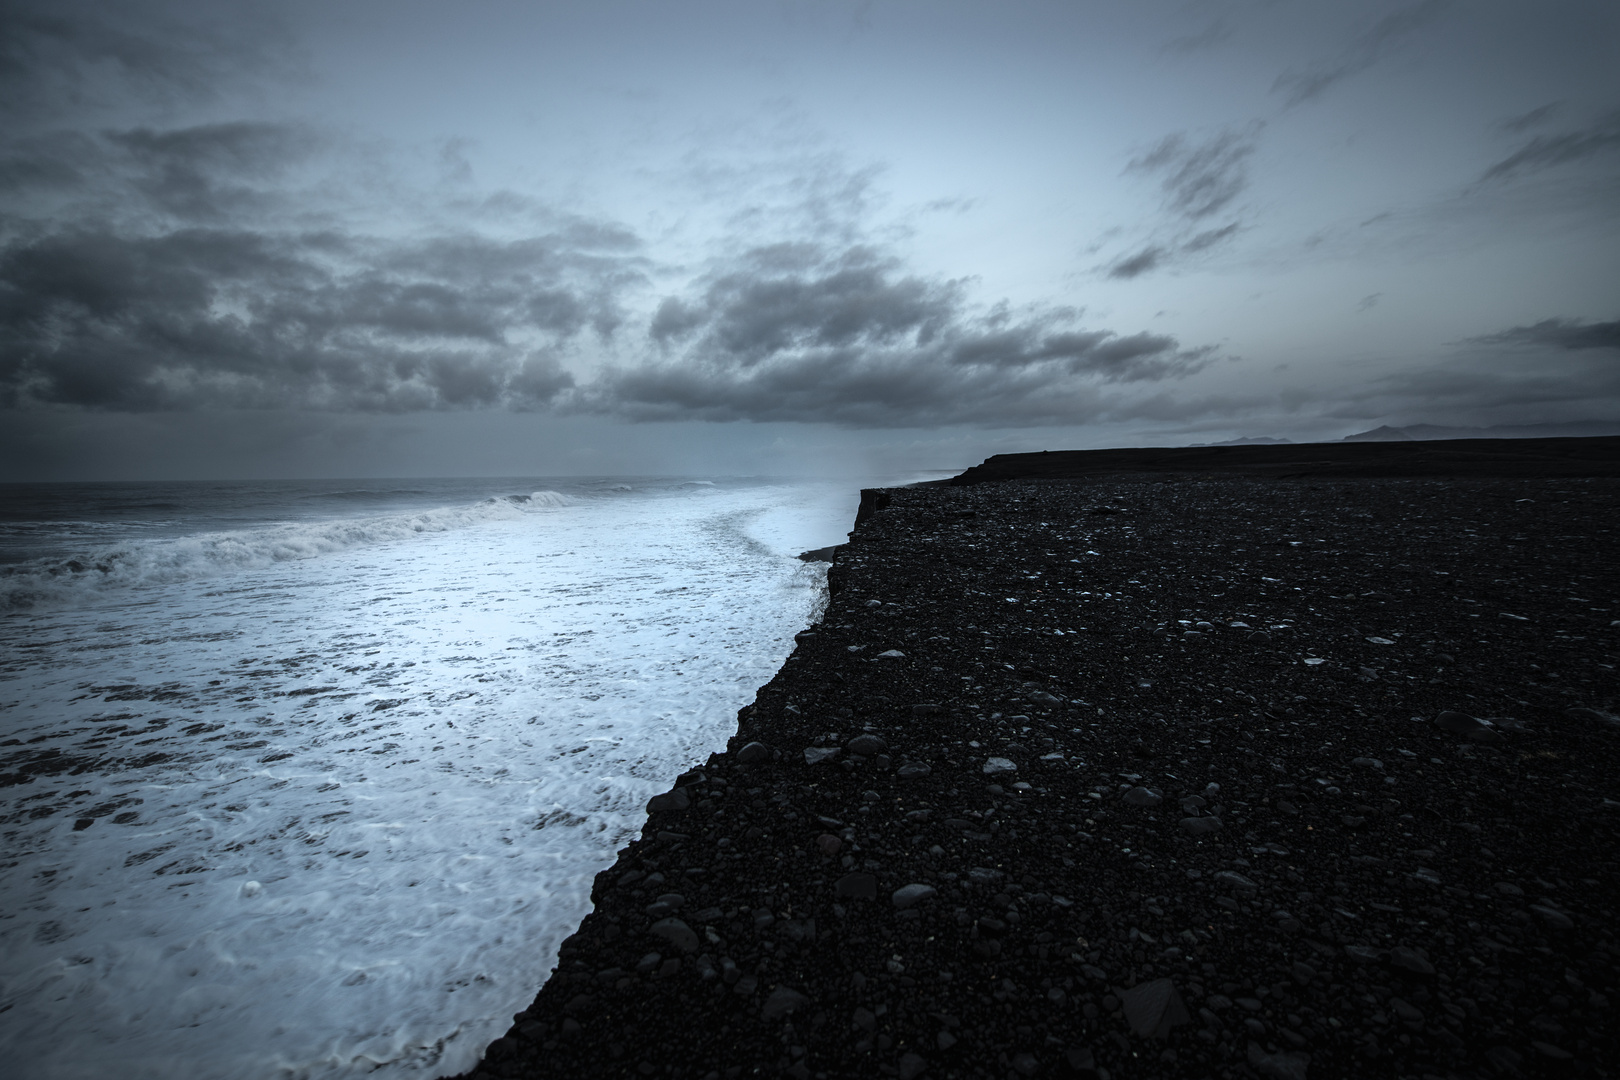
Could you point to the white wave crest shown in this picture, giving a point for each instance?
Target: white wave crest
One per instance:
(98, 571)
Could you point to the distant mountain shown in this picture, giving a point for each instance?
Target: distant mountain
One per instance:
(1429, 432)
(1259, 440)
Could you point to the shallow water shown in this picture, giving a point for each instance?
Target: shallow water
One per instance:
(312, 780)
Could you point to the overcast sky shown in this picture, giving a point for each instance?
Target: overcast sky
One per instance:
(490, 238)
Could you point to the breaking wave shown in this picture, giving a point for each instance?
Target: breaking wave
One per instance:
(97, 571)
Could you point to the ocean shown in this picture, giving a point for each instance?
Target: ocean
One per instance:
(310, 779)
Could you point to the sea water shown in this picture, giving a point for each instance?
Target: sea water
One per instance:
(311, 779)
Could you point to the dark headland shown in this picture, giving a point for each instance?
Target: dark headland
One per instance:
(1260, 761)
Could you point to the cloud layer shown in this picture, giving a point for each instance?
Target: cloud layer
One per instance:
(801, 332)
(178, 269)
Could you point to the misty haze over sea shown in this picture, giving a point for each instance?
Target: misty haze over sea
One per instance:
(300, 779)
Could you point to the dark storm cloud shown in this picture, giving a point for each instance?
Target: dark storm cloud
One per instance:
(68, 54)
(1198, 181)
(799, 333)
(1566, 334)
(1547, 151)
(1298, 87)
(210, 318)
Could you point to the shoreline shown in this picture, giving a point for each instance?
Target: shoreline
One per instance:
(1176, 849)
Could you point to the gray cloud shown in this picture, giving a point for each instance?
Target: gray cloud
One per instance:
(800, 333)
(1298, 87)
(1198, 180)
(69, 54)
(1547, 151)
(1565, 334)
(1133, 266)
(210, 318)
(1527, 120)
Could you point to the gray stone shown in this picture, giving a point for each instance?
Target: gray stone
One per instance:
(815, 755)
(915, 893)
(891, 654)
(754, 752)
(983, 875)
(1200, 826)
(1041, 697)
(649, 963)
(1153, 1008)
(1468, 727)
(1554, 918)
(1367, 763)
(1289, 1065)
(1235, 880)
(781, 1002)
(913, 1065)
(675, 932)
(927, 710)
(1141, 796)
(1303, 973)
(866, 745)
(996, 766)
(857, 886)
(677, 799)
(913, 770)
(1410, 960)
(1607, 719)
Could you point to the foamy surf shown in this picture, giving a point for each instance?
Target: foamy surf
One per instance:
(331, 814)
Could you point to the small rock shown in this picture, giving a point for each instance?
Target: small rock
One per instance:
(1200, 826)
(1605, 718)
(1153, 1008)
(1141, 796)
(857, 886)
(815, 755)
(997, 765)
(781, 1002)
(754, 752)
(1233, 879)
(1405, 1010)
(1281, 1066)
(891, 654)
(1303, 973)
(1507, 888)
(1469, 727)
(983, 875)
(1410, 960)
(669, 800)
(1556, 1053)
(649, 963)
(866, 745)
(828, 844)
(675, 932)
(1553, 917)
(927, 710)
(1025, 1064)
(1361, 954)
(915, 893)
(1041, 697)
(913, 770)
(912, 1065)
(1367, 763)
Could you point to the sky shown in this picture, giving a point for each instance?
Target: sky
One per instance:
(397, 238)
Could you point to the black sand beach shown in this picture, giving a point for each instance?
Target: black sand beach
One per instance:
(1294, 761)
